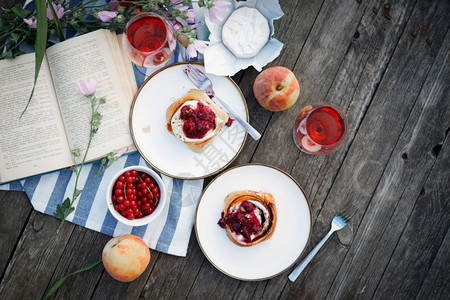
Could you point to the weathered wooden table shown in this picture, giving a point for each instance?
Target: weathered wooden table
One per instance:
(387, 66)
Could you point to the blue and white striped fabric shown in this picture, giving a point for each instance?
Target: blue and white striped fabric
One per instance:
(169, 233)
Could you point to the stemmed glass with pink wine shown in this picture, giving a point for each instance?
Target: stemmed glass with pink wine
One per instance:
(149, 40)
(320, 129)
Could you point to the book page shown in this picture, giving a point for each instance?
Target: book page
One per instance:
(93, 55)
(36, 142)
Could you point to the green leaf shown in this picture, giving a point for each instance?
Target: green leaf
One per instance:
(76, 152)
(7, 54)
(20, 11)
(55, 287)
(63, 209)
(40, 45)
(15, 37)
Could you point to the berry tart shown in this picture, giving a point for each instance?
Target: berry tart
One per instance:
(195, 119)
(249, 217)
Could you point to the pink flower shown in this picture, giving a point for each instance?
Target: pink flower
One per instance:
(216, 12)
(198, 45)
(106, 15)
(190, 51)
(190, 13)
(87, 87)
(175, 24)
(31, 22)
(121, 152)
(60, 12)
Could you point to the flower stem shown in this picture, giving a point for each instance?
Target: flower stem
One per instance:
(55, 287)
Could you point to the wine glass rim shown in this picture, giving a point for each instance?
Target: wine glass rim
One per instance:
(143, 15)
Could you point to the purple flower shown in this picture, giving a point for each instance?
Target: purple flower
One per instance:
(113, 4)
(31, 22)
(216, 12)
(198, 24)
(198, 45)
(60, 12)
(87, 87)
(106, 15)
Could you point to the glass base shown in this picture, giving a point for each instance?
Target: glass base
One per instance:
(143, 72)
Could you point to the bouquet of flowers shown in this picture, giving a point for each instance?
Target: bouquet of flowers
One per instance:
(46, 25)
(21, 26)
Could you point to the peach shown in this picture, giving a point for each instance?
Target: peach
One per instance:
(125, 257)
(276, 88)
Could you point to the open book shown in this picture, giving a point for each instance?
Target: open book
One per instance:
(58, 118)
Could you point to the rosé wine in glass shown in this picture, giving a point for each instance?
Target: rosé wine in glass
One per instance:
(149, 40)
(320, 129)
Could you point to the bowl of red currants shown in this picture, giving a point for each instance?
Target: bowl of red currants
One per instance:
(136, 195)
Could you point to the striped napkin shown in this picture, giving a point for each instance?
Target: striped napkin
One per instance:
(169, 233)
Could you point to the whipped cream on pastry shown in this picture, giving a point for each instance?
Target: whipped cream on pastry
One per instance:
(249, 217)
(181, 117)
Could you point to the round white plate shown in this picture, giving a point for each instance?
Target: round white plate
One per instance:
(270, 257)
(163, 151)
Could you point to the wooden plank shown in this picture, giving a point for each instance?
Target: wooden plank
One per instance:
(83, 248)
(375, 145)
(173, 276)
(14, 213)
(35, 258)
(436, 284)
(425, 238)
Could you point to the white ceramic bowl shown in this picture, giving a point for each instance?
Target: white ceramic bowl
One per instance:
(146, 219)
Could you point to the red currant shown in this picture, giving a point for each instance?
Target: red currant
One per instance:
(135, 194)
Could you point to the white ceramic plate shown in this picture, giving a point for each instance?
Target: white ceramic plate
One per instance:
(270, 257)
(165, 152)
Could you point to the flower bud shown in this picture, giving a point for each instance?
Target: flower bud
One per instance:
(191, 40)
(120, 18)
(120, 9)
(175, 13)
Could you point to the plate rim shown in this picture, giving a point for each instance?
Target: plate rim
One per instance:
(159, 169)
(242, 166)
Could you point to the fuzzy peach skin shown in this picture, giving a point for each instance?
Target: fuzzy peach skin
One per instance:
(276, 88)
(125, 257)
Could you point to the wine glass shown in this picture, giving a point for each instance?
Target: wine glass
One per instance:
(320, 129)
(149, 41)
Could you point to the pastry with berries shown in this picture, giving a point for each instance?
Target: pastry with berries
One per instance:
(195, 119)
(249, 217)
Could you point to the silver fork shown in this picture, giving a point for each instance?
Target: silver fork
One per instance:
(203, 83)
(339, 221)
